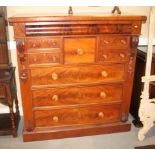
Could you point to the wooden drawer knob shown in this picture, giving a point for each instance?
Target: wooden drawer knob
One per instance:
(123, 42)
(101, 114)
(122, 55)
(55, 119)
(54, 76)
(79, 51)
(104, 56)
(135, 26)
(54, 43)
(103, 94)
(34, 59)
(106, 42)
(55, 97)
(104, 74)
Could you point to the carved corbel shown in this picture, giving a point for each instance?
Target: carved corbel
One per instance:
(20, 48)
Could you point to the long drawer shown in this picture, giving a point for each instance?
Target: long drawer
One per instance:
(83, 115)
(64, 75)
(107, 93)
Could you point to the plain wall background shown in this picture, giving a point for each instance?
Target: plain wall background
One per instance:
(84, 10)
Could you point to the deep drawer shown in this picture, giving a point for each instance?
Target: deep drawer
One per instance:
(107, 94)
(64, 75)
(79, 50)
(83, 115)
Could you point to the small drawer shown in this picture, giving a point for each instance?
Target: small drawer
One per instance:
(114, 56)
(72, 116)
(42, 58)
(44, 43)
(107, 93)
(64, 75)
(79, 50)
(114, 42)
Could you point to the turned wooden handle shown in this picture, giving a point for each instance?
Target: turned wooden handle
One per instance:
(80, 51)
(101, 114)
(122, 55)
(55, 97)
(104, 56)
(104, 74)
(123, 41)
(55, 118)
(103, 94)
(54, 76)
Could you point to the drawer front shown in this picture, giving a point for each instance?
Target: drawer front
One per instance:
(44, 43)
(83, 115)
(107, 94)
(79, 50)
(113, 56)
(43, 58)
(62, 75)
(114, 42)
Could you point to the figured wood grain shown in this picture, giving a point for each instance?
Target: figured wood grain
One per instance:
(76, 50)
(83, 115)
(62, 75)
(106, 94)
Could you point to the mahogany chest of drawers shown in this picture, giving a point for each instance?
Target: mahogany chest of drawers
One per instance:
(76, 73)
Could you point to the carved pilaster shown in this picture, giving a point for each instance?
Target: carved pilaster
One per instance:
(20, 48)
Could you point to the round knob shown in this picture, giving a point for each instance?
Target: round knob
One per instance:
(104, 56)
(106, 42)
(55, 119)
(122, 55)
(79, 51)
(53, 43)
(103, 94)
(101, 114)
(135, 26)
(123, 41)
(104, 74)
(34, 59)
(54, 76)
(55, 97)
(33, 45)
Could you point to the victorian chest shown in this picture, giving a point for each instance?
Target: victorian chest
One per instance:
(76, 73)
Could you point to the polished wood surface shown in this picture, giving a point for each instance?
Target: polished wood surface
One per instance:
(76, 73)
(107, 93)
